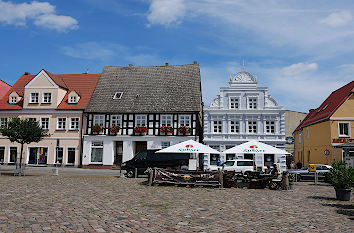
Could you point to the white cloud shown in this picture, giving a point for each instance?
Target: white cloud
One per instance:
(299, 68)
(338, 19)
(166, 12)
(42, 13)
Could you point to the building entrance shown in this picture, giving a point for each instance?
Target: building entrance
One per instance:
(38, 155)
(139, 146)
(119, 154)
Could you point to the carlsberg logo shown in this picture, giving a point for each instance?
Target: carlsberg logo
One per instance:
(188, 150)
(253, 150)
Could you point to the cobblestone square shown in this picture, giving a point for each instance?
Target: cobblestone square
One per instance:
(110, 204)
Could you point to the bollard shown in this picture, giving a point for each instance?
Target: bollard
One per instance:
(55, 171)
(136, 173)
(316, 178)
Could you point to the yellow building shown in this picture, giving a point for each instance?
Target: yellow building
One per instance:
(320, 134)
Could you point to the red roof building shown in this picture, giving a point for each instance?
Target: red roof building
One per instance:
(4, 88)
(57, 102)
(326, 127)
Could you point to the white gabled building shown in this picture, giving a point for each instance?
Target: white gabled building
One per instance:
(243, 112)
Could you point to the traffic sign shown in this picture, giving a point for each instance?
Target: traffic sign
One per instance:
(326, 152)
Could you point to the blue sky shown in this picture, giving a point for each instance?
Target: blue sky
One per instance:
(302, 50)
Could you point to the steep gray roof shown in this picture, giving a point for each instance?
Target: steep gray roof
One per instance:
(161, 89)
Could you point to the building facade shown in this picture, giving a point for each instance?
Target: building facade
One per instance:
(240, 113)
(324, 129)
(138, 108)
(57, 102)
(292, 120)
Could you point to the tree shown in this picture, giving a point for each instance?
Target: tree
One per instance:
(24, 132)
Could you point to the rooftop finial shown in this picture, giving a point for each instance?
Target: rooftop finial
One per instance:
(243, 65)
(230, 78)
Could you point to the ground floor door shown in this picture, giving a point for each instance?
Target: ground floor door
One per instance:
(38, 155)
(2, 154)
(119, 154)
(139, 146)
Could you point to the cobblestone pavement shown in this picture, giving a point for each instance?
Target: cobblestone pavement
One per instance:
(111, 204)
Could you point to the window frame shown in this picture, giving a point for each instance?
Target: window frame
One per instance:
(165, 146)
(57, 128)
(118, 119)
(268, 127)
(184, 116)
(32, 98)
(1, 121)
(94, 121)
(115, 94)
(235, 126)
(140, 118)
(41, 122)
(231, 103)
(44, 97)
(71, 121)
(71, 99)
(249, 102)
(98, 147)
(67, 155)
(12, 101)
(166, 120)
(248, 127)
(348, 128)
(217, 127)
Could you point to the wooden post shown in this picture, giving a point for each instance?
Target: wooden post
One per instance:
(136, 173)
(151, 177)
(221, 178)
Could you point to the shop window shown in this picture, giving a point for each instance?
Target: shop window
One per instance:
(13, 154)
(97, 152)
(268, 159)
(213, 159)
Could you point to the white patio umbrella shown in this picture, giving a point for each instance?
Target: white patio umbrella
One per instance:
(254, 147)
(189, 146)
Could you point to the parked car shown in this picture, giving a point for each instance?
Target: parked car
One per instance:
(148, 158)
(239, 165)
(305, 174)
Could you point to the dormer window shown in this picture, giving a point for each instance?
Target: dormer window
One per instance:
(73, 99)
(34, 98)
(117, 95)
(13, 100)
(47, 98)
(252, 103)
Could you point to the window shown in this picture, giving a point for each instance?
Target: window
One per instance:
(300, 138)
(234, 103)
(13, 99)
(3, 121)
(270, 126)
(98, 120)
(117, 95)
(268, 159)
(34, 98)
(45, 123)
(116, 120)
(184, 120)
(61, 123)
(59, 154)
(252, 126)
(248, 156)
(165, 145)
(47, 98)
(230, 156)
(166, 120)
(73, 99)
(140, 120)
(71, 155)
(213, 159)
(234, 127)
(97, 152)
(217, 126)
(13, 154)
(307, 133)
(74, 123)
(2, 154)
(252, 103)
(32, 119)
(343, 129)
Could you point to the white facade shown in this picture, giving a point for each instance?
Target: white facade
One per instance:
(243, 112)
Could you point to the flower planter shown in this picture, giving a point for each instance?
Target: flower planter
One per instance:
(343, 194)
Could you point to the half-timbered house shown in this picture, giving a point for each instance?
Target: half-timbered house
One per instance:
(138, 108)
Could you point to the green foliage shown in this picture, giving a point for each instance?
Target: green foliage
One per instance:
(340, 176)
(23, 131)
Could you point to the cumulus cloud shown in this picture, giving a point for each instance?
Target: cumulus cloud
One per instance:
(338, 19)
(166, 12)
(43, 14)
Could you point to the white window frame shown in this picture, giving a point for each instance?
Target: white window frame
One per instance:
(344, 135)
(73, 99)
(234, 126)
(118, 120)
(140, 120)
(164, 145)
(47, 128)
(248, 127)
(97, 120)
(67, 155)
(58, 123)
(166, 120)
(186, 119)
(96, 146)
(34, 99)
(217, 126)
(71, 123)
(45, 99)
(251, 106)
(268, 126)
(3, 121)
(233, 103)
(115, 94)
(13, 100)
